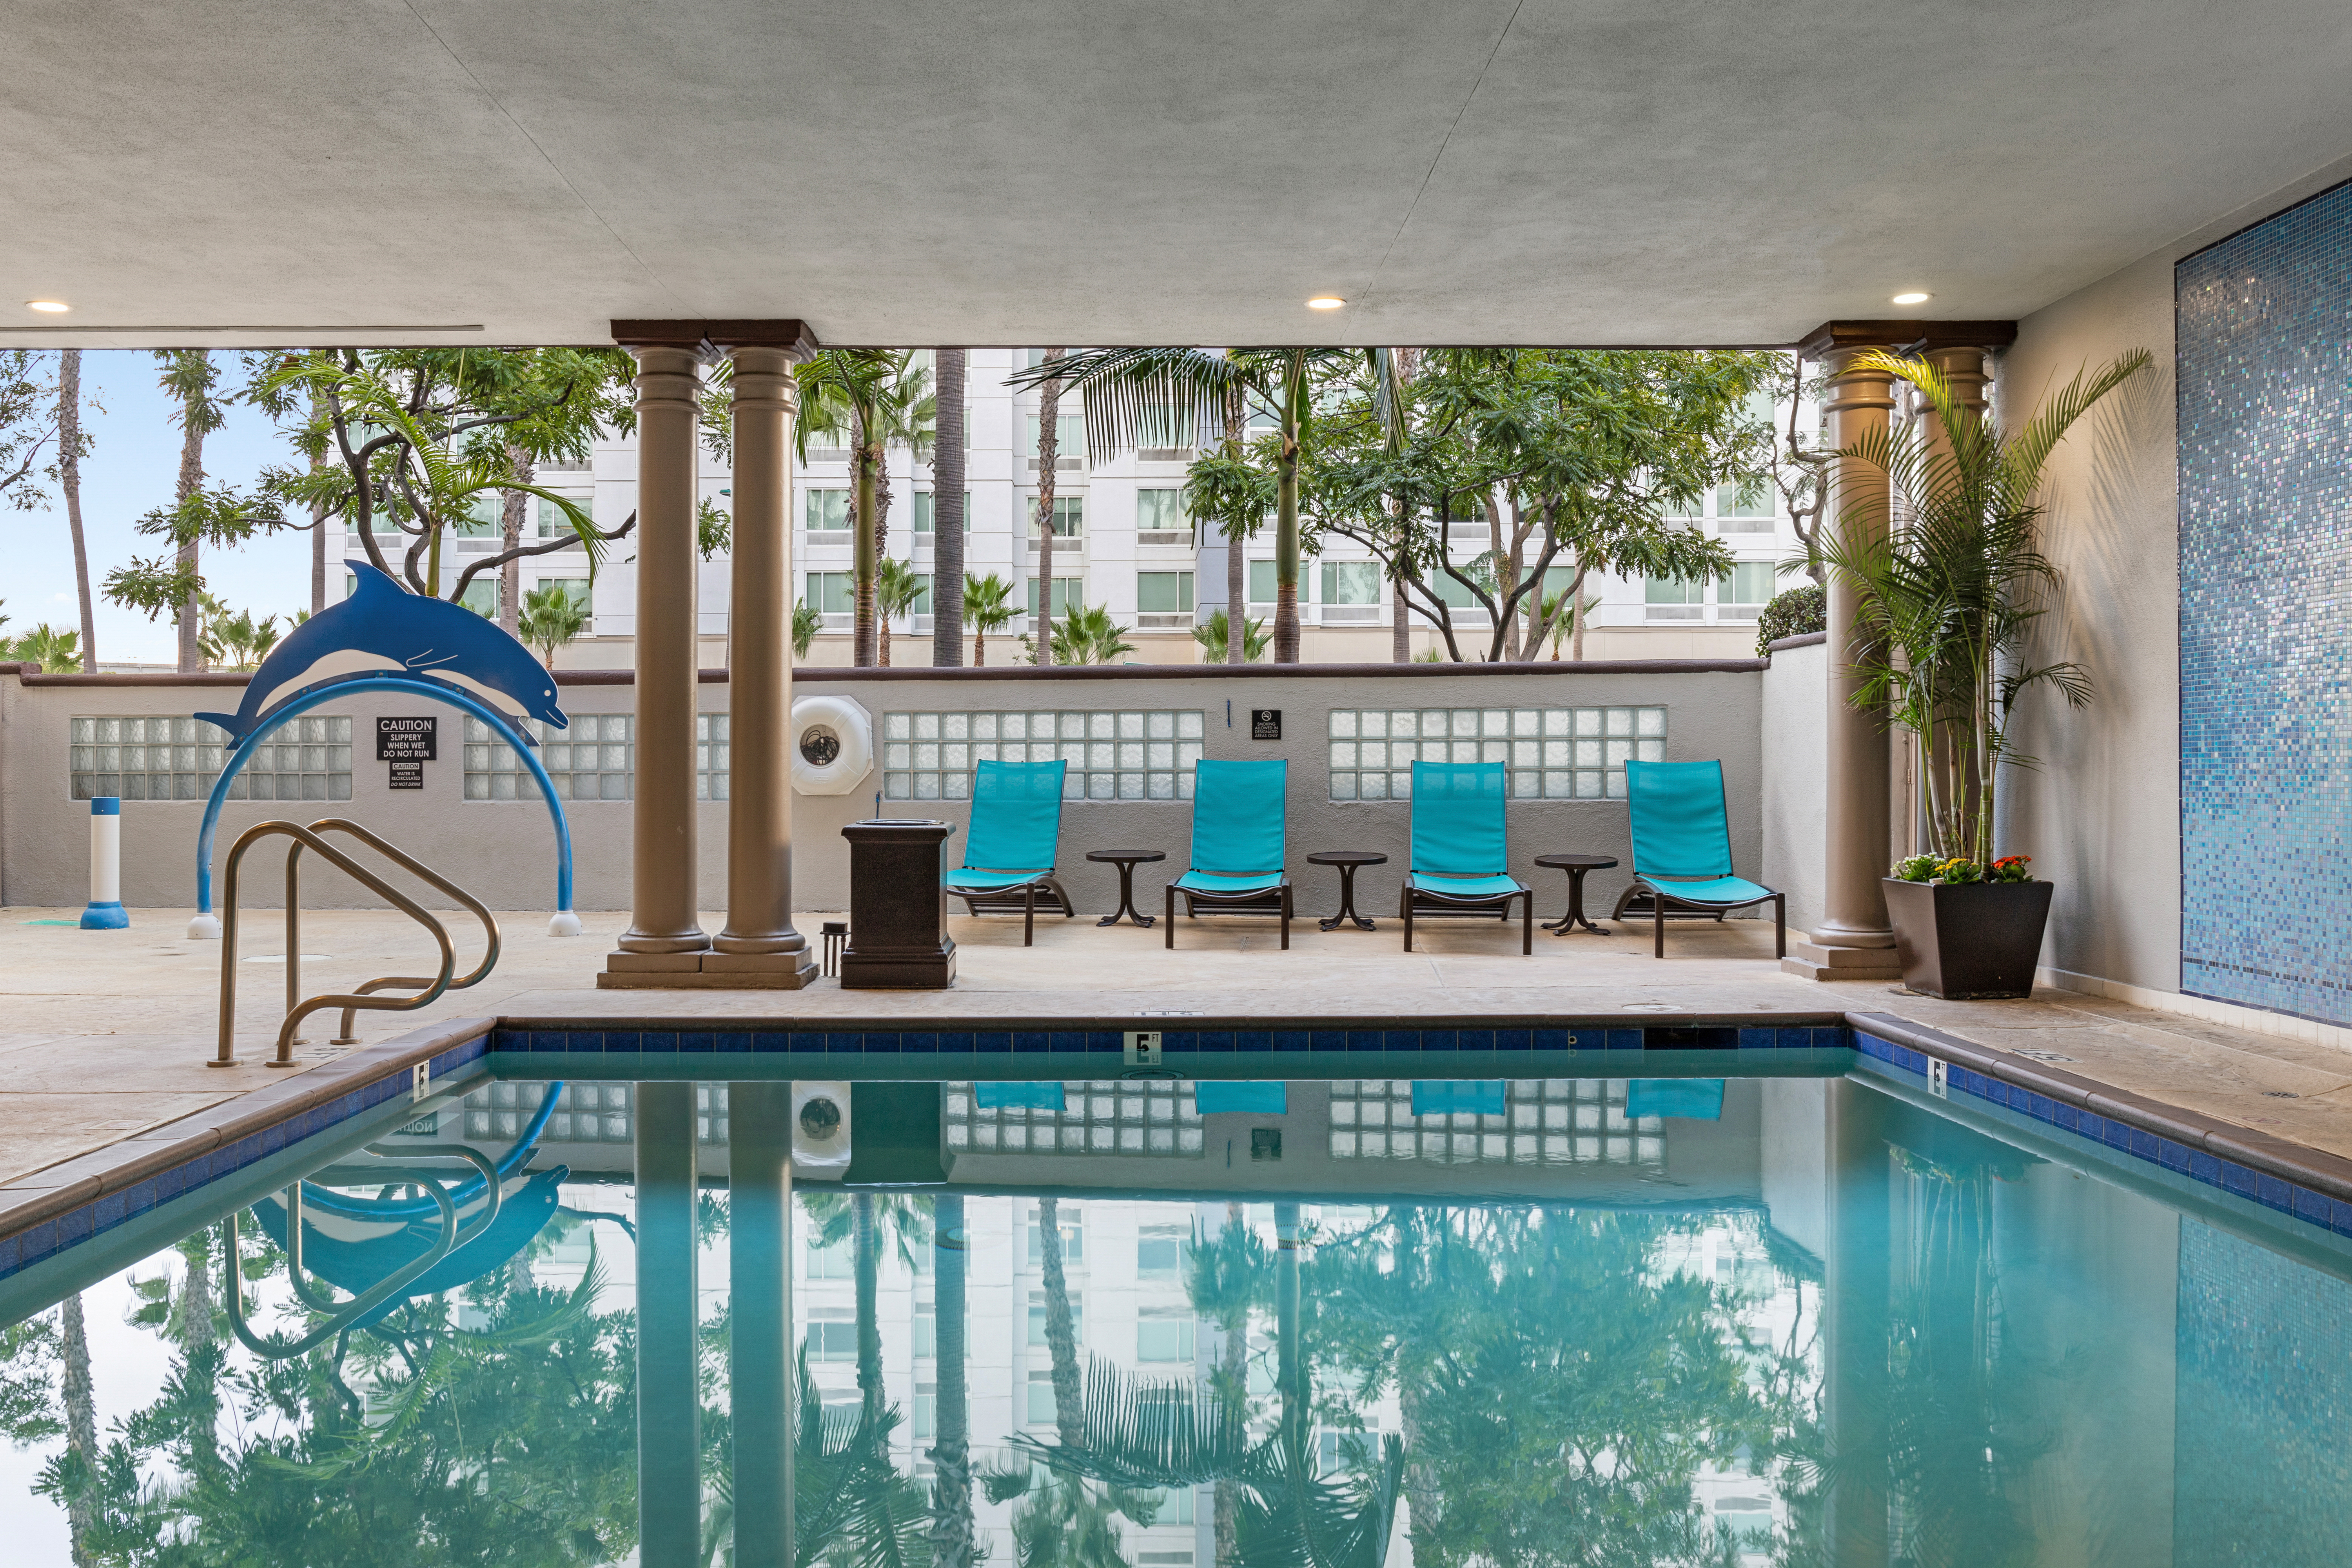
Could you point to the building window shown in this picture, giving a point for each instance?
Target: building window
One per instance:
(1070, 441)
(1069, 593)
(832, 593)
(926, 1334)
(1175, 1508)
(922, 604)
(481, 597)
(1351, 582)
(1551, 753)
(1164, 599)
(1743, 596)
(1262, 586)
(1069, 515)
(1748, 510)
(1072, 1224)
(552, 521)
(832, 1341)
(1159, 1252)
(1456, 595)
(1130, 755)
(926, 512)
(1547, 1122)
(826, 512)
(1040, 1399)
(152, 757)
(1163, 1338)
(1672, 599)
(926, 1413)
(595, 759)
(831, 1260)
(484, 517)
(575, 589)
(1097, 1117)
(1159, 518)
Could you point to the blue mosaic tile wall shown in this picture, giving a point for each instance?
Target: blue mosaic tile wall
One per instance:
(2263, 1392)
(2264, 321)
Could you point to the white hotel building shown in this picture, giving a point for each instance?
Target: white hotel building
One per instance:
(1124, 544)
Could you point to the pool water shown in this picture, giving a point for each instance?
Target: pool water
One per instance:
(1320, 1323)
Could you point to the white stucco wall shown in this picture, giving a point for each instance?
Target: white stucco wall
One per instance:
(502, 851)
(1794, 693)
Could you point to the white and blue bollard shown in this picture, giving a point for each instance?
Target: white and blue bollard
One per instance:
(105, 911)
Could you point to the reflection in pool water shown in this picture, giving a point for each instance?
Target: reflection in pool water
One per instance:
(1568, 1320)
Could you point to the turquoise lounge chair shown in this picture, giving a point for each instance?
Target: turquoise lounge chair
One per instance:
(1236, 865)
(1008, 859)
(1460, 850)
(1682, 849)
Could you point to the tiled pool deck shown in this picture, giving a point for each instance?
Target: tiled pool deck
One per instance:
(106, 1095)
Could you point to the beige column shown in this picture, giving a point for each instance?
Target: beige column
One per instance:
(663, 933)
(759, 946)
(1855, 941)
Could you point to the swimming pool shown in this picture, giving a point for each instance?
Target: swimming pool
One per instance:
(1802, 1311)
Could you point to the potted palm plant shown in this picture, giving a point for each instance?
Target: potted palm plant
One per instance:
(1950, 578)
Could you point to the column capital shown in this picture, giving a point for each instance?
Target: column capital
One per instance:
(709, 339)
(1904, 336)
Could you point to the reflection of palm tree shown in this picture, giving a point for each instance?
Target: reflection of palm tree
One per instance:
(954, 1542)
(82, 1424)
(1061, 1334)
(1226, 1279)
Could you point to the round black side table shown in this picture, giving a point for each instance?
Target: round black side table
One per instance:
(1576, 866)
(1127, 861)
(1348, 860)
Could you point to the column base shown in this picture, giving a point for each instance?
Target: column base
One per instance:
(1813, 961)
(707, 972)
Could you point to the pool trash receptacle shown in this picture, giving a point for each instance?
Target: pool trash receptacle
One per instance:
(898, 907)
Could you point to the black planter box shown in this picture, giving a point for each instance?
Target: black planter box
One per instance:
(1972, 940)
(898, 911)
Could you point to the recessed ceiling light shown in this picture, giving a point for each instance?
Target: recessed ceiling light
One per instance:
(1325, 302)
(1914, 297)
(50, 307)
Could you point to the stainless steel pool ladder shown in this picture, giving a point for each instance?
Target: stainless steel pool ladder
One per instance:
(298, 1008)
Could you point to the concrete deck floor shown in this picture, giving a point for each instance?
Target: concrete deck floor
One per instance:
(104, 1035)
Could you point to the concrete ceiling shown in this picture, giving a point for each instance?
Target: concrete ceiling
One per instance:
(1030, 172)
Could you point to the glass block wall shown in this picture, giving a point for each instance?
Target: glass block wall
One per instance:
(154, 757)
(1099, 1116)
(595, 759)
(1113, 755)
(1552, 753)
(583, 1114)
(1545, 1122)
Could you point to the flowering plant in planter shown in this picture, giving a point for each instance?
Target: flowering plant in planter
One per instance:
(1953, 873)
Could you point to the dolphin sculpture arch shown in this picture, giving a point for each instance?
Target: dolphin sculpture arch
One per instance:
(384, 638)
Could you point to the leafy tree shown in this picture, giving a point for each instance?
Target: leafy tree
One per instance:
(1212, 633)
(987, 608)
(30, 411)
(1583, 451)
(551, 618)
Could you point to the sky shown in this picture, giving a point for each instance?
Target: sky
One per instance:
(132, 467)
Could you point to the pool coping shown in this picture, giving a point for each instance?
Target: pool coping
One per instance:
(47, 1211)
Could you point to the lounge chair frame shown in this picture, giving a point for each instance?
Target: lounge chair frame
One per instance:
(1462, 842)
(1024, 890)
(1715, 864)
(1018, 898)
(1273, 900)
(1424, 902)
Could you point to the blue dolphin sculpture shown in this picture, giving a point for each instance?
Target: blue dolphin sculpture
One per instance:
(383, 627)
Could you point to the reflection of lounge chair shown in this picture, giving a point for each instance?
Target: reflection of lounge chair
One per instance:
(1237, 824)
(1016, 828)
(1682, 849)
(1460, 853)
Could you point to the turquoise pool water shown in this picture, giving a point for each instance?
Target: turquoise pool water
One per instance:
(1311, 1322)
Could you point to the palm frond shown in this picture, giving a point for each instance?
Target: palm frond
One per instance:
(1145, 1434)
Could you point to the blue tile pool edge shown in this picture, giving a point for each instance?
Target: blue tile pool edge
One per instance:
(140, 1175)
(2293, 1181)
(1211, 1037)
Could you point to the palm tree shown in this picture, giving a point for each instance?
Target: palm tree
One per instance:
(947, 509)
(806, 624)
(70, 443)
(1061, 1334)
(551, 618)
(55, 649)
(1214, 633)
(1087, 634)
(988, 605)
(895, 590)
(1950, 587)
(873, 399)
(190, 376)
(1225, 487)
(1225, 1279)
(514, 510)
(1049, 457)
(955, 1540)
(1126, 390)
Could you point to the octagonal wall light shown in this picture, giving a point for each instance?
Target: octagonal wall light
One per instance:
(1325, 302)
(48, 307)
(1915, 297)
